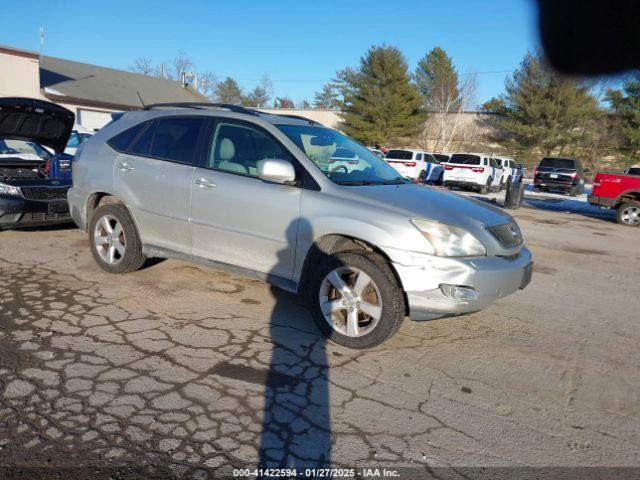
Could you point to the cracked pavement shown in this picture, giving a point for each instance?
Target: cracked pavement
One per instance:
(182, 370)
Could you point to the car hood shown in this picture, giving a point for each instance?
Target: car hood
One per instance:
(416, 201)
(36, 120)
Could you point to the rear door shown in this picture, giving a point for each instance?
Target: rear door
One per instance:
(236, 218)
(153, 176)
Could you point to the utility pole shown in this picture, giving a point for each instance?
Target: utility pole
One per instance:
(41, 42)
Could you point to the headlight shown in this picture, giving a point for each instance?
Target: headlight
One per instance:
(8, 190)
(448, 241)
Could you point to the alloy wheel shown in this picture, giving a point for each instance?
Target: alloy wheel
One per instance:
(350, 301)
(630, 215)
(109, 239)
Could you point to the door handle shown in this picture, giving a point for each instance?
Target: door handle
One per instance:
(126, 167)
(204, 183)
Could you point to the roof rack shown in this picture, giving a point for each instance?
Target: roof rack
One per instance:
(297, 117)
(229, 106)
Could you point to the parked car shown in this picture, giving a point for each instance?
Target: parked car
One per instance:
(33, 182)
(621, 192)
(511, 172)
(78, 135)
(416, 165)
(442, 157)
(633, 170)
(241, 189)
(564, 174)
(379, 153)
(473, 171)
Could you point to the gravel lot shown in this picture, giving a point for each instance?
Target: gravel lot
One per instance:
(178, 369)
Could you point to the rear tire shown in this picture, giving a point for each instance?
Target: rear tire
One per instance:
(485, 189)
(629, 214)
(114, 239)
(378, 294)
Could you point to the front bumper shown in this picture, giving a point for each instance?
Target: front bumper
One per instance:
(491, 278)
(16, 212)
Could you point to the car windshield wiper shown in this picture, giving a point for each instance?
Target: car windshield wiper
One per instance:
(355, 183)
(396, 181)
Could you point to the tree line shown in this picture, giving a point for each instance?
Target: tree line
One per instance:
(382, 102)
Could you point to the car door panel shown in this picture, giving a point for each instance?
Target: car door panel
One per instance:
(157, 193)
(236, 218)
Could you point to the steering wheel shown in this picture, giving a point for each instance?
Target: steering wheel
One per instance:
(335, 169)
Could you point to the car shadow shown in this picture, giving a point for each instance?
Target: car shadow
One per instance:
(296, 427)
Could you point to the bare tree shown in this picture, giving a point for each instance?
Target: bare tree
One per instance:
(144, 66)
(180, 64)
(466, 99)
(208, 82)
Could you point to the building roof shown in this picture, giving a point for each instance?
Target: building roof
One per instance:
(64, 80)
(74, 82)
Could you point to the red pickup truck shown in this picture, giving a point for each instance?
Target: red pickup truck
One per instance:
(620, 191)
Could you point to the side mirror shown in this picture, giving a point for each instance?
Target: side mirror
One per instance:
(276, 171)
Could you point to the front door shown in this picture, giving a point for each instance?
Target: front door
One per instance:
(236, 218)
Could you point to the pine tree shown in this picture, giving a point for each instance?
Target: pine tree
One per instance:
(437, 81)
(328, 97)
(258, 97)
(228, 91)
(626, 104)
(542, 109)
(382, 103)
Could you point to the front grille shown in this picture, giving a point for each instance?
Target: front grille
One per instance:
(39, 217)
(508, 235)
(44, 193)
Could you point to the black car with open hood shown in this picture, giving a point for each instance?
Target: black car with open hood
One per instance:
(28, 194)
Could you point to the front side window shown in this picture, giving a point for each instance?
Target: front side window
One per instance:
(430, 158)
(176, 139)
(633, 171)
(340, 158)
(237, 148)
(493, 163)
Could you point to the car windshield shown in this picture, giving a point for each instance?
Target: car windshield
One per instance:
(23, 149)
(399, 155)
(464, 159)
(340, 158)
(558, 163)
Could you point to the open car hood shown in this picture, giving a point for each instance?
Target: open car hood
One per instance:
(36, 120)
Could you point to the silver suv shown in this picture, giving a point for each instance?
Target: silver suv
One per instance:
(273, 196)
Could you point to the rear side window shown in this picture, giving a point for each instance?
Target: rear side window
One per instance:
(465, 159)
(419, 156)
(176, 138)
(142, 144)
(558, 163)
(122, 141)
(399, 155)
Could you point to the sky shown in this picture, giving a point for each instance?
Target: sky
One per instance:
(299, 44)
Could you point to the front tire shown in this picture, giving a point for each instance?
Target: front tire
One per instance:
(355, 299)
(629, 214)
(114, 239)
